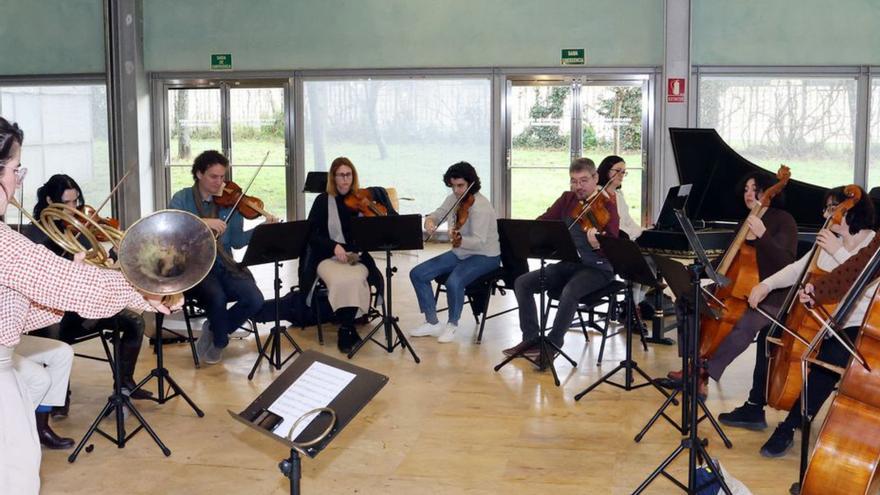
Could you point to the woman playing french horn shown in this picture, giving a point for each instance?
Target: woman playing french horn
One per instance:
(36, 287)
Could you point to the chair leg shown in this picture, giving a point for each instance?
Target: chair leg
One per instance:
(256, 335)
(602, 346)
(108, 353)
(583, 326)
(190, 338)
(318, 321)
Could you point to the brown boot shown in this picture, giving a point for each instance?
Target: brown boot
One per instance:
(49, 438)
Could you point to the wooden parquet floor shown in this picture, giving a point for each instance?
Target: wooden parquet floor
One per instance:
(449, 425)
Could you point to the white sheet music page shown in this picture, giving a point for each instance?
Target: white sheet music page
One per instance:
(316, 387)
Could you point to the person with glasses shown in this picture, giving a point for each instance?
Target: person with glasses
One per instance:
(227, 282)
(36, 287)
(837, 244)
(612, 170)
(573, 279)
(332, 255)
(475, 251)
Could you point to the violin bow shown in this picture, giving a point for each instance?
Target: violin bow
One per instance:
(112, 192)
(245, 190)
(454, 205)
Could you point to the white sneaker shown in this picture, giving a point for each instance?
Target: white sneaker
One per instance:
(427, 330)
(448, 334)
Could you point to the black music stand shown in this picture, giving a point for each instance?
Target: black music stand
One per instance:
(544, 240)
(692, 294)
(274, 243)
(630, 265)
(391, 233)
(323, 428)
(115, 403)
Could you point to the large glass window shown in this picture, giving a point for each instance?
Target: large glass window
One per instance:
(874, 133)
(400, 133)
(807, 123)
(65, 132)
(552, 122)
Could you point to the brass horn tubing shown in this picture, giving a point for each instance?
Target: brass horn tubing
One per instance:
(14, 202)
(80, 224)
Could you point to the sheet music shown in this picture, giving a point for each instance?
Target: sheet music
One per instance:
(316, 387)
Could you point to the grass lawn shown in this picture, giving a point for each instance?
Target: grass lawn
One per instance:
(537, 177)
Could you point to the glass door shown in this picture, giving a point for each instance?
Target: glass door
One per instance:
(612, 124)
(553, 121)
(541, 119)
(246, 121)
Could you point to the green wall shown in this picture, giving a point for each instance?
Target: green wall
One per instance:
(785, 32)
(285, 34)
(51, 37)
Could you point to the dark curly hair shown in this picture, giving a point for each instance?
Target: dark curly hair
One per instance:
(859, 217)
(53, 189)
(762, 183)
(605, 167)
(205, 160)
(462, 170)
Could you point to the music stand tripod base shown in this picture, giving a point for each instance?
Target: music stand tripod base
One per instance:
(115, 403)
(265, 248)
(391, 233)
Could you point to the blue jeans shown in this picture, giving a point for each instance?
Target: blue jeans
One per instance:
(214, 294)
(461, 273)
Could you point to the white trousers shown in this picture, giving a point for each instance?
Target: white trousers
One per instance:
(19, 445)
(44, 367)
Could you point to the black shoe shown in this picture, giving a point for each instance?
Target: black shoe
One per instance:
(779, 442)
(49, 438)
(347, 339)
(749, 416)
(128, 385)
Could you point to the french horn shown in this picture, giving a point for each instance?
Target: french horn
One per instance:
(162, 254)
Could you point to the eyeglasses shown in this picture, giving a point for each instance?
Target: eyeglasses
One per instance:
(830, 208)
(20, 174)
(347, 175)
(616, 172)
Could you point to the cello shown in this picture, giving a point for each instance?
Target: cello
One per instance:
(847, 451)
(740, 265)
(784, 378)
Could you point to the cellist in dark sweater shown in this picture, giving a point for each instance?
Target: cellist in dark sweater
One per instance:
(774, 237)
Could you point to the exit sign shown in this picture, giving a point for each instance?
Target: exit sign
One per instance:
(221, 61)
(573, 56)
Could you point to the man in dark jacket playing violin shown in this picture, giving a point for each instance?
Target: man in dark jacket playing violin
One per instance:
(227, 282)
(574, 279)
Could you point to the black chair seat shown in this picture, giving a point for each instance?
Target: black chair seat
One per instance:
(479, 285)
(606, 295)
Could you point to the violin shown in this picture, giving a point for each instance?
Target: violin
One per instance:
(102, 221)
(785, 379)
(362, 201)
(250, 207)
(461, 217)
(593, 214)
(740, 265)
